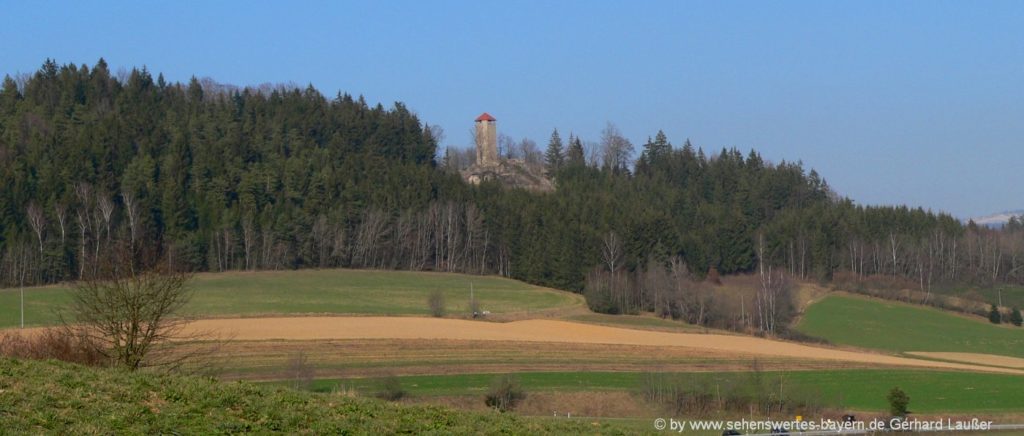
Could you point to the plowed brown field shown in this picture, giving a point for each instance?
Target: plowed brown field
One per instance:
(324, 328)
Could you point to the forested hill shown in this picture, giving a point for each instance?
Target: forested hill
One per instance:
(218, 178)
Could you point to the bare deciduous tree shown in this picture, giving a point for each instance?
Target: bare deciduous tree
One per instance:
(60, 211)
(248, 241)
(616, 150)
(529, 153)
(106, 209)
(131, 211)
(436, 303)
(83, 191)
(127, 310)
(771, 295)
(611, 250)
(507, 146)
(37, 220)
(300, 371)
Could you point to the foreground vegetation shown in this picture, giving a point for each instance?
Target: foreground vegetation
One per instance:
(857, 390)
(892, 326)
(333, 291)
(61, 398)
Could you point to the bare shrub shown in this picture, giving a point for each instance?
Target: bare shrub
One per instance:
(505, 393)
(52, 343)
(435, 301)
(713, 276)
(300, 371)
(391, 389)
(752, 392)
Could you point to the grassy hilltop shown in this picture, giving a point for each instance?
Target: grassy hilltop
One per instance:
(329, 291)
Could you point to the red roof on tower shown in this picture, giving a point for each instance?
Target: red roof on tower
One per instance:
(485, 117)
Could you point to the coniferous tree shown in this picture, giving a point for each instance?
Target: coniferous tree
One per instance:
(994, 316)
(574, 155)
(553, 157)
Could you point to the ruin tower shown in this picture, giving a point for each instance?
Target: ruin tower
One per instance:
(486, 140)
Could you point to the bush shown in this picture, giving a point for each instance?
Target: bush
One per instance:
(391, 389)
(798, 336)
(711, 396)
(54, 343)
(436, 303)
(898, 402)
(994, 316)
(505, 393)
(1015, 317)
(713, 276)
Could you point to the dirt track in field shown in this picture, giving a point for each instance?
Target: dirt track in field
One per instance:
(324, 328)
(978, 358)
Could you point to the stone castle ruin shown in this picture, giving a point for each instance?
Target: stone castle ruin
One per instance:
(511, 173)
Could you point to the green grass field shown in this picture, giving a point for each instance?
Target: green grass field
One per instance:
(886, 325)
(335, 291)
(861, 390)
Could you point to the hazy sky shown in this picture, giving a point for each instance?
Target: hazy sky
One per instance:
(893, 102)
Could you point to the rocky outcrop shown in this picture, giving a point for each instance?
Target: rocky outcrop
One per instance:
(511, 173)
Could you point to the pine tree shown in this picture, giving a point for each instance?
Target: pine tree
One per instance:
(554, 157)
(657, 150)
(574, 156)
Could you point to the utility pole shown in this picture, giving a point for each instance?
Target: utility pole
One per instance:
(743, 312)
(21, 286)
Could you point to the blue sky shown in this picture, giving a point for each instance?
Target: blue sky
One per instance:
(915, 102)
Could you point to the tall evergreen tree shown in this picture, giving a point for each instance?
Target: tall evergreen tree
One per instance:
(574, 155)
(553, 157)
(659, 149)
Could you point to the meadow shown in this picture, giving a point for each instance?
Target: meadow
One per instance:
(330, 291)
(854, 389)
(892, 326)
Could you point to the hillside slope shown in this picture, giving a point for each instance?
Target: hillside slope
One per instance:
(900, 327)
(60, 398)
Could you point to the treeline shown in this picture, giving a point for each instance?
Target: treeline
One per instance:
(222, 178)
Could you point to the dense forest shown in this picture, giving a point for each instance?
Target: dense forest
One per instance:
(218, 177)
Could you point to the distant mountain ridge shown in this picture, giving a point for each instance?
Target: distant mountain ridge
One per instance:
(999, 219)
